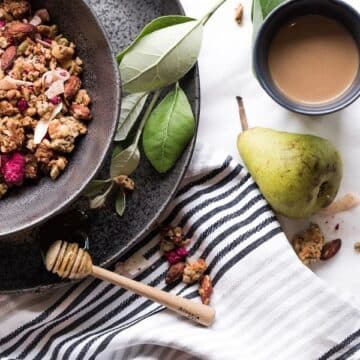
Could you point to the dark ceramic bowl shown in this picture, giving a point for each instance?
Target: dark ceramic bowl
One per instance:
(31, 205)
(336, 9)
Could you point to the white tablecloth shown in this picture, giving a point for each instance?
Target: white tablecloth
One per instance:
(226, 71)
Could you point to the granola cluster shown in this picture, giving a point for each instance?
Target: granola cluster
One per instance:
(181, 268)
(310, 245)
(43, 107)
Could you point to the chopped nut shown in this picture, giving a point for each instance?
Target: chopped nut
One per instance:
(175, 273)
(205, 290)
(357, 247)
(72, 86)
(309, 244)
(239, 13)
(330, 249)
(194, 270)
(125, 182)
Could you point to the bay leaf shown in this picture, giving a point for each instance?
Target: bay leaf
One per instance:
(126, 162)
(168, 130)
(162, 57)
(131, 108)
(95, 187)
(156, 24)
(120, 203)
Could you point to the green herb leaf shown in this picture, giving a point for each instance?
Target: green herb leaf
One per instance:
(168, 130)
(117, 150)
(99, 201)
(162, 57)
(95, 187)
(260, 10)
(131, 108)
(126, 162)
(120, 203)
(156, 24)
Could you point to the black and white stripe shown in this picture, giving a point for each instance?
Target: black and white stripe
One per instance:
(268, 305)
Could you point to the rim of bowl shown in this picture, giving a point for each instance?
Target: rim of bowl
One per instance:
(290, 105)
(31, 224)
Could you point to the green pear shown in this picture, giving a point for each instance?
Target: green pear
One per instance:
(298, 174)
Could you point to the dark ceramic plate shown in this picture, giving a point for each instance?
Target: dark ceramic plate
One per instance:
(21, 267)
(33, 204)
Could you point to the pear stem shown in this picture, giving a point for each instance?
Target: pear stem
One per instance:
(243, 117)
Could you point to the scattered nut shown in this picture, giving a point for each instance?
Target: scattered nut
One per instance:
(330, 249)
(308, 244)
(357, 247)
(239, 12)
(175, 273)
(175, 235)
(205, 290)
(8, 57)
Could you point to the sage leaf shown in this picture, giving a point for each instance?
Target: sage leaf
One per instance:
(95, 187)
(100, 200)
(120, 202)
(156, 24)
(162, 57)
(117, 150)
(131, 108)
(260, 10)
(168, 130)
(126, 162)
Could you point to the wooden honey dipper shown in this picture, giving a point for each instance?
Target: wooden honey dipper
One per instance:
(69, 261)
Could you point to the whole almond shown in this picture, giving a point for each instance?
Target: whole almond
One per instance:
(330, 249)
(72, 86)
(175, 273)
(43, 14)
(205, 290)
(20, 31)
(8, 57)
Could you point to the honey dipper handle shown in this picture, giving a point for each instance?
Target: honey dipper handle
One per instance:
(200, 313)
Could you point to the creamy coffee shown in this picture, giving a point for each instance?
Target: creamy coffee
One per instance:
(313, 59)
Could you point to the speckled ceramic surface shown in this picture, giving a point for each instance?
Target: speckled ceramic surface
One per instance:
(29, 205)
(21, 266)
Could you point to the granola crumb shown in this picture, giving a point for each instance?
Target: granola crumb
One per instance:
(309, 244)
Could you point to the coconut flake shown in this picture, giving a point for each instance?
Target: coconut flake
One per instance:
(36, 20)
(54, 75)
(345, 203)
(8, 83)
(42, 126)
(55, 89)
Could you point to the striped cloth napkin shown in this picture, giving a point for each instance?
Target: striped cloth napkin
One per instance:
(269, 306)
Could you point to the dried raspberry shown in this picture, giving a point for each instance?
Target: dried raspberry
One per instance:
(13, 168)
(47, 40)
(55, 100)
(2, 23)
(22, 105)
(176, 255)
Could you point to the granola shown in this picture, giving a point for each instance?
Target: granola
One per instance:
(309, 244)
(43, 107)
